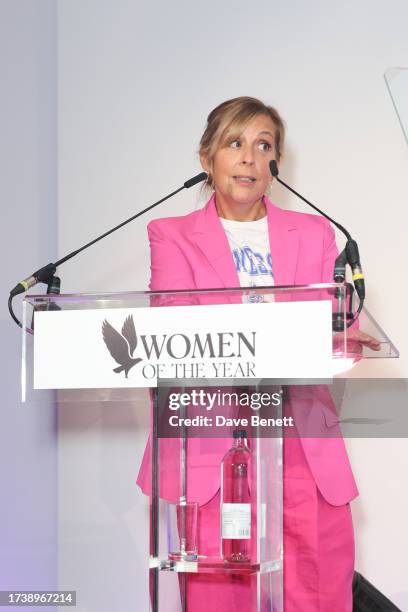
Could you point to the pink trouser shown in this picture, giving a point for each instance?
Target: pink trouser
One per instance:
(318, 551)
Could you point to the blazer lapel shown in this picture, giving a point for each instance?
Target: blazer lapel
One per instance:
(284, 244)
(209, 235)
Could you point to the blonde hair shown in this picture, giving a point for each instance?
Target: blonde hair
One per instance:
(229, 119)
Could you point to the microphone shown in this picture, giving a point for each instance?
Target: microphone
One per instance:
(46, 274)
(350, 253)
(196, 179)
(43, 275)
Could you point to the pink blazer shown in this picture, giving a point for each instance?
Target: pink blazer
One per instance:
(192, 252)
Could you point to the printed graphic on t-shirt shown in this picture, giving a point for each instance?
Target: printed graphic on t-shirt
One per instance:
(254, 269)
(249, 244)
(252, 262)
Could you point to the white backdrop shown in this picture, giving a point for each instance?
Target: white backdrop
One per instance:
(28, 220)
(136, 81)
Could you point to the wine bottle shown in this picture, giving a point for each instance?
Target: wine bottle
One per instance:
(235, 511)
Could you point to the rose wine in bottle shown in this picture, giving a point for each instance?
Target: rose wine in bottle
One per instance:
(235, 501)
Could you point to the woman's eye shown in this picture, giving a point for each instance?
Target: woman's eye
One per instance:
(235, 144)
(265, 146)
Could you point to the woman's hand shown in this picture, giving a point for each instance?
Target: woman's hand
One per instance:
(356, 341)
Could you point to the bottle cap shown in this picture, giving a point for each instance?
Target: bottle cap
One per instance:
(239, 433)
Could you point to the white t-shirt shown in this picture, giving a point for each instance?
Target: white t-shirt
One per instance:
(249, 244)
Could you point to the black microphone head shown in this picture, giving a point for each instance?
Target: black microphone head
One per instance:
(273, 167)
(196, 179)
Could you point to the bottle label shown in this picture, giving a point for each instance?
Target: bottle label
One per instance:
(236, 521)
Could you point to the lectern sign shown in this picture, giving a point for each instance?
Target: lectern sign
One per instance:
(132, 347)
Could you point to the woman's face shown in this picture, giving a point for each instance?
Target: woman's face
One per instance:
(240, 168)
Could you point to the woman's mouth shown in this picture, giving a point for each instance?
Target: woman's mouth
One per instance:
(245, 180)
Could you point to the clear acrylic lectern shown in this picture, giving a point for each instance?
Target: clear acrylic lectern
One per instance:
(160, 350)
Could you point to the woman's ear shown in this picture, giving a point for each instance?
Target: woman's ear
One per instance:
(205, 164)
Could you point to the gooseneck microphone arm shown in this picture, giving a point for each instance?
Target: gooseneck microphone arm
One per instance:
(46, 274)
(349, 255)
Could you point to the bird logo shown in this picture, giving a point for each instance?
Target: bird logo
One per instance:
(121, 346)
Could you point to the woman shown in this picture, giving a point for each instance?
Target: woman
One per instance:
(240, 238)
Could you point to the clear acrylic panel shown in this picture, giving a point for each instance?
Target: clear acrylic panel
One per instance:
(185, 482)
(102, 523)
(81, 303)
(396, 80)
(345, 352)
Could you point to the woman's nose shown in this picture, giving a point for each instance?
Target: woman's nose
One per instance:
(247, 155)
